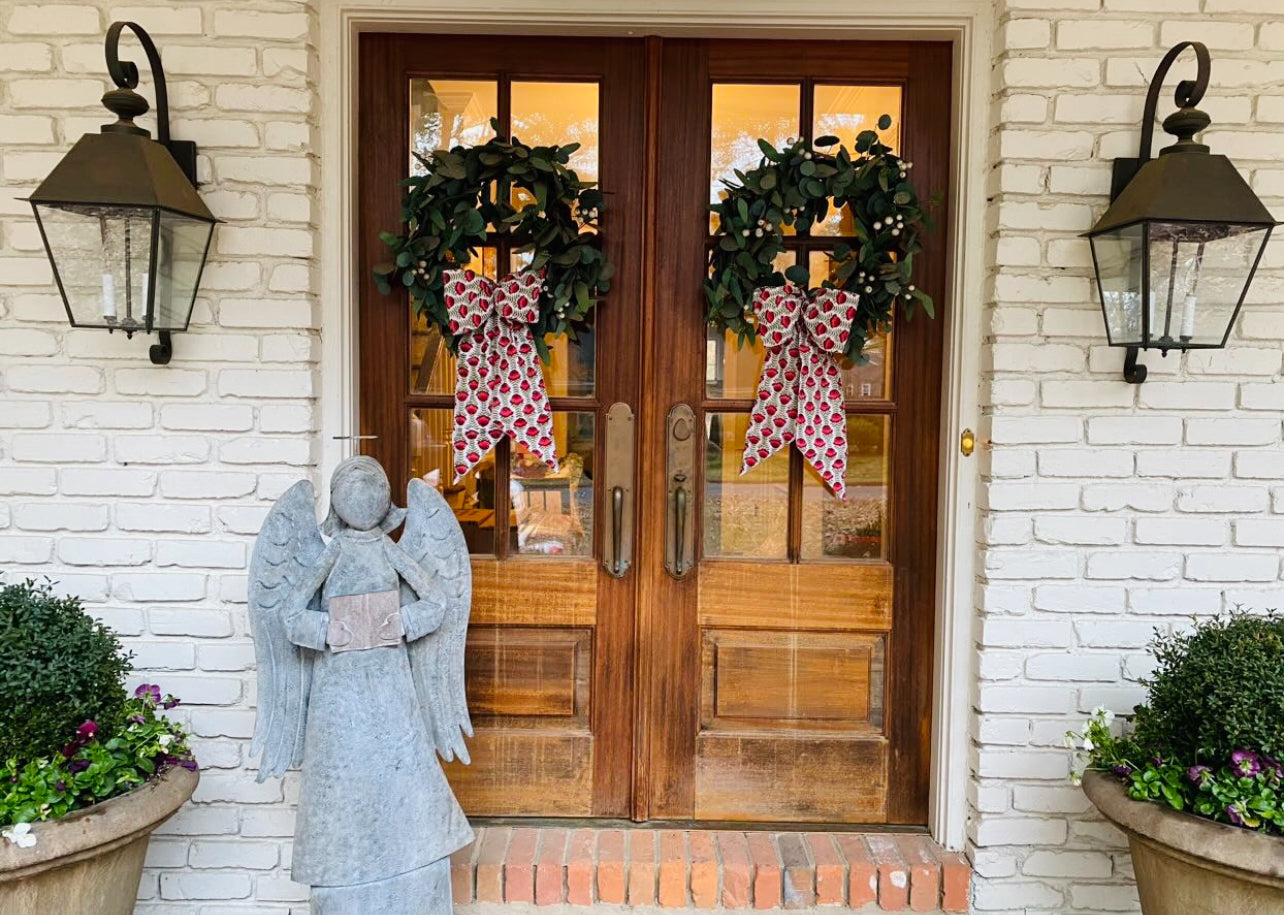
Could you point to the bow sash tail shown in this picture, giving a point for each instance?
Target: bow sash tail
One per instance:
(800, 391)
(499, 385)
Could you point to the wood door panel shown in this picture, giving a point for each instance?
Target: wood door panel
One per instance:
(529, 673)
(520, 773)
(557, 592)
(796, 779)
(779, 595)
(789, 680)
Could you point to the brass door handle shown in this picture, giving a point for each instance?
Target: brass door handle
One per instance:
(679, 526)
(681, 440)
(617, 530)
(618, 552)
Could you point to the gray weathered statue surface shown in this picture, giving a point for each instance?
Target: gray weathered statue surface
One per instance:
(360, 648)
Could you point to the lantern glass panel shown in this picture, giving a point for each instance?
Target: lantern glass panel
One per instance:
(102, 256)
(180, 256)
(1119, 274)
(1198, 274)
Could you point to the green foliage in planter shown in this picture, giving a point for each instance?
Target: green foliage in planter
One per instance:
(1210, 738)
(1217, 689)
(95, 767)
(59, 667)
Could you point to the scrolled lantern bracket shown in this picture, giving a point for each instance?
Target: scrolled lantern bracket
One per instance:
(127, 104)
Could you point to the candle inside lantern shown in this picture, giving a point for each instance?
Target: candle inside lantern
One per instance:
(1188, 317)
(109, 297)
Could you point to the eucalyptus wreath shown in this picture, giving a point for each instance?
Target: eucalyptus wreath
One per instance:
(465, 195)
(798, 186)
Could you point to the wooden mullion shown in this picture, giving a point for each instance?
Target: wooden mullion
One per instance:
(794, 535)
(807, 104)
(503, 463)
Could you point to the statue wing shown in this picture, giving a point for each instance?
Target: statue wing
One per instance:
(433, 539)
(288, 544)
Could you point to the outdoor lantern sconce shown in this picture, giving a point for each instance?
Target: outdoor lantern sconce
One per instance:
(1176, 251)
(121, 221)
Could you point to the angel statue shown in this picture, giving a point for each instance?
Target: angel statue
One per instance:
(360, 649)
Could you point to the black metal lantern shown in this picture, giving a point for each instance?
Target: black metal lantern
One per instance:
(124, 228)
(1176, 251)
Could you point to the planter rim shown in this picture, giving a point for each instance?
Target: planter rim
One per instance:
(94, 830)
(1231, 847)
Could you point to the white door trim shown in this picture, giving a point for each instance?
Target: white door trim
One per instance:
(967, 23)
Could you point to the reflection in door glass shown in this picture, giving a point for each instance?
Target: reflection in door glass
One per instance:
(547, 114)
(742, 113)
(843, 112)
(553, 511)
(445, 113)
(855, 528)
(473, 498)
(743, 516)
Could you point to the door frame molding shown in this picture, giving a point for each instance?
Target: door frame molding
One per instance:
(967, 23)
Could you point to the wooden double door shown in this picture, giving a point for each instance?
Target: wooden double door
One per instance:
(779, 667)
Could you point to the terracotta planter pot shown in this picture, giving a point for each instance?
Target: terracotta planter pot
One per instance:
(1191, 866)
(90, 862)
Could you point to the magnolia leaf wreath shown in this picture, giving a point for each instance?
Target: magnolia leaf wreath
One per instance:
(805, 332)
(498, 328)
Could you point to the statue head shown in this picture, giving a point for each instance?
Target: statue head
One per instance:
(360, 498)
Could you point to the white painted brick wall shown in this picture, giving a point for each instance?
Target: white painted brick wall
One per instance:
(1113, 510)
(140, 487)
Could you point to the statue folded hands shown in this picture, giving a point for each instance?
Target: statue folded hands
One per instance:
(360, 649)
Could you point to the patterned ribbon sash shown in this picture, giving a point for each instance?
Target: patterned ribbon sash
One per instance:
(800, 392)
(499, 389)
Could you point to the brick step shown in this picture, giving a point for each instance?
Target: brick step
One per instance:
(708, 869)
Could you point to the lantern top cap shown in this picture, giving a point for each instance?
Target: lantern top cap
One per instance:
(121, 169)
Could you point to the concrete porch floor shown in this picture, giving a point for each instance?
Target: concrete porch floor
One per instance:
(556, 868)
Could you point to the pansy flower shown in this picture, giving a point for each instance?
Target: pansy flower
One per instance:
(1245, 764)
(148, 691)
(1197, 774)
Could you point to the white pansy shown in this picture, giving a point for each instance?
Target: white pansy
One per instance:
(165, 740)
(20, 835)
(1088, 744)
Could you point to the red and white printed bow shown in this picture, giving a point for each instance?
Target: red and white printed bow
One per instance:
(800, 391)
(499, 389)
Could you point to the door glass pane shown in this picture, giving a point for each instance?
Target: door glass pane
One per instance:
(554, 511)
(445, 113)
(432, 364)
(843, 112)
(473, 498)
(873, 379)
(743, 113)
(731, 370)
(557, 114)
(749, 515)
(855, 528)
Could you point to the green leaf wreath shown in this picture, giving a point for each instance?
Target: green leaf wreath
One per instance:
(447, 212)
(798, 186)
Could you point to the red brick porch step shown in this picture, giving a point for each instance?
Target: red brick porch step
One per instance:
(708, 869)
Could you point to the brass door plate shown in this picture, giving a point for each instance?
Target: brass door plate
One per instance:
(617, 552)
(681, 438)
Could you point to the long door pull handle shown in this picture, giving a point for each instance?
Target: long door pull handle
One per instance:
(680, 529)
(617, 529)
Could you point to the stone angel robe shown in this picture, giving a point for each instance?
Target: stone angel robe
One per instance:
(377, 820)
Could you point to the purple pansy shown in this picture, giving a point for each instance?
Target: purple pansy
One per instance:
(60, 785)
(170, 702)
(1197, 774)
(1233, 815)
(87, 730)
(1245, 764)
(77, 765)
(1122, 770)
(1272, 764)
(148, 691)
